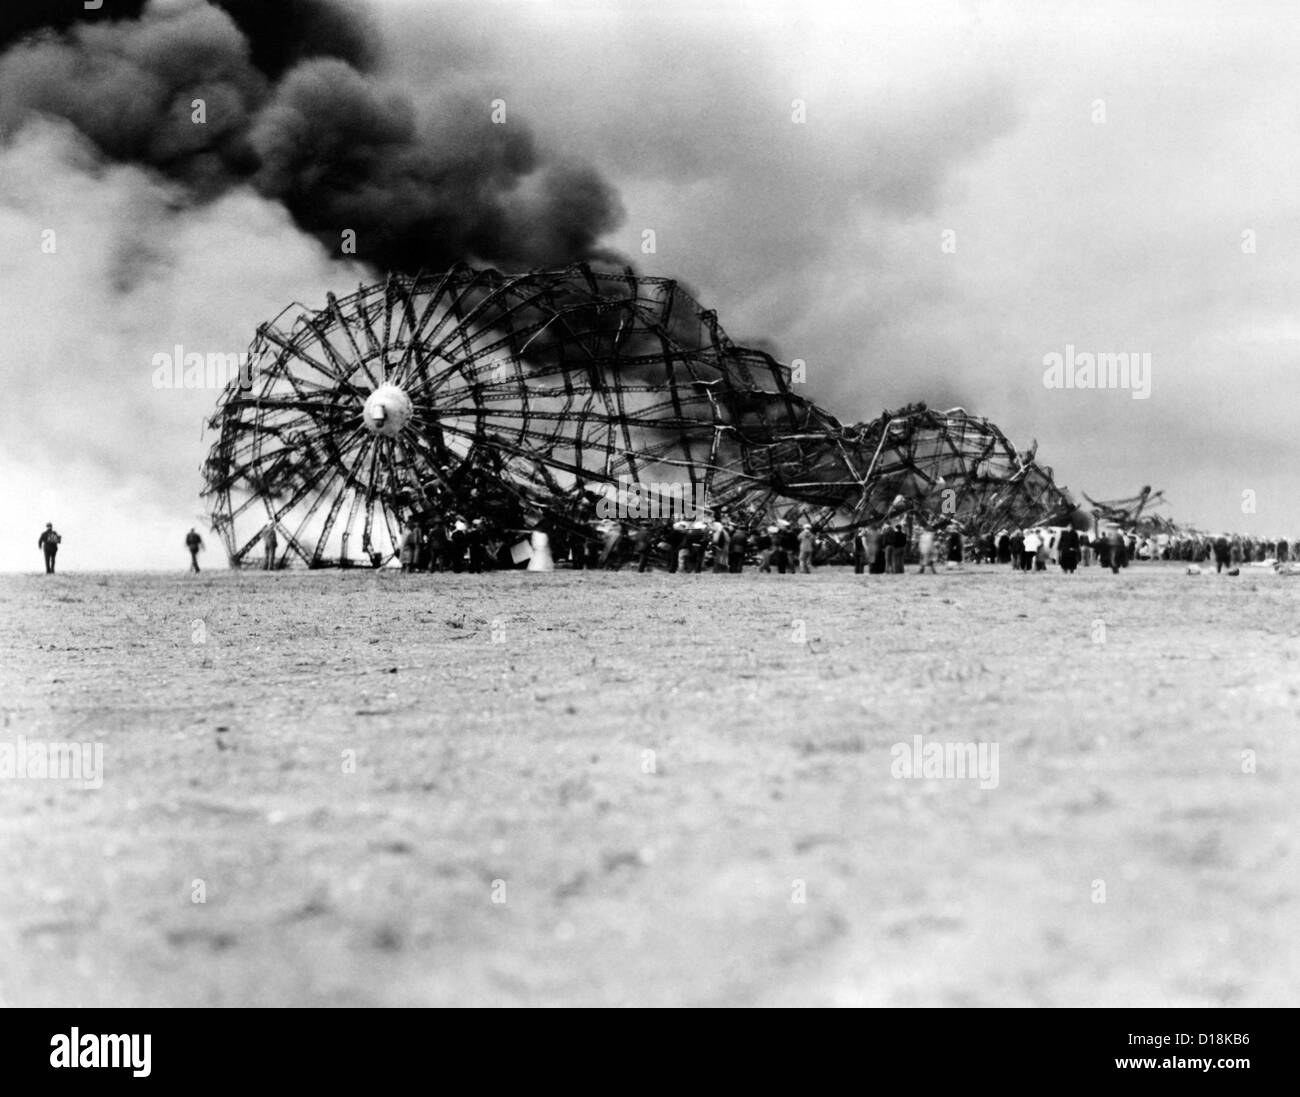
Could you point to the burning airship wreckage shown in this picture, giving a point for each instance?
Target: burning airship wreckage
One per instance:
(552, 398)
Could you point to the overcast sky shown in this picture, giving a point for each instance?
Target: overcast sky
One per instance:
(1119, 177)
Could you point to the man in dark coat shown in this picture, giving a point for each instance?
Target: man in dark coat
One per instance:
(1004, 547)
(48, 543)
(738, 547)
(1222, 554)
(900, 548)
(194, 543)
(788, 539)
(476, 541)
(1116, 551)
(1067, 550)
(954, 547)
(439, 546)
(643, 544)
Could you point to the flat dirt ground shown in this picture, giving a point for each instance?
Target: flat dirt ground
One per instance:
(611, 788)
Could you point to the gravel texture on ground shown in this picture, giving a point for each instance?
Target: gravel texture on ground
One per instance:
(359, 788)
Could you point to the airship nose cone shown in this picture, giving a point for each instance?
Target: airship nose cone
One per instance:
(388, 409)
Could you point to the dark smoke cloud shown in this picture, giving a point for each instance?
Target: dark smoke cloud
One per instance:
(342, 154)
(566, 213)
(283, 32)
(128, 86)
(293, 109)
(20, 19)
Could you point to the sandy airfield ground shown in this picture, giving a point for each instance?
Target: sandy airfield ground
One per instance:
(501, 726)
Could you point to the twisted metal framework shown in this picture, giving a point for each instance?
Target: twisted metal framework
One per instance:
(517, 397)
(936, 466)
(527, 394)
(1128, 513)
(954, 466)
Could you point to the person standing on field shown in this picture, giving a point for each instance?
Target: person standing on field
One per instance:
(925, 549)
(954, 548)
(901, 541)
(1016, 546)
(1222, 554)
(874, 548)
(720, 538)
(1067, 550)
(763, 545)
(740, 535)
(1029, 553)
(807, 539)
(643, 543)
(410, 549)
(48, 543)
(194, 543)
(1115, 551)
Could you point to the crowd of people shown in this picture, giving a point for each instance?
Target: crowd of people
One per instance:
(723, 544)
(720, 543)
(1226, 549)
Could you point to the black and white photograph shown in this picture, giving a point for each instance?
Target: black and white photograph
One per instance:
(651, 504)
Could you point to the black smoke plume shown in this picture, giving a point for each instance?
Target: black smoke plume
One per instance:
(295, 107)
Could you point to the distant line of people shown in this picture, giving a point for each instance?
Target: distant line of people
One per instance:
(685, 545)
(721, 543)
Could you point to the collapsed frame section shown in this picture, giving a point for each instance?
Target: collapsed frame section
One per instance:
(534, 395)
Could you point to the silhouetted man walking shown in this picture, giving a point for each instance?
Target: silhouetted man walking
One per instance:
(48, 542)
(1067, 550)
(194, 543)
(1222, 554)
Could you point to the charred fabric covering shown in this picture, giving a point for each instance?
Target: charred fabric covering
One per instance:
(533, 396)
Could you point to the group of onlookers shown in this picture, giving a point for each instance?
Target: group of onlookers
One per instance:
(722, 543)
(1234, 548)
(686, 545)
(725, 545)
(457, 544)
(883, 549)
